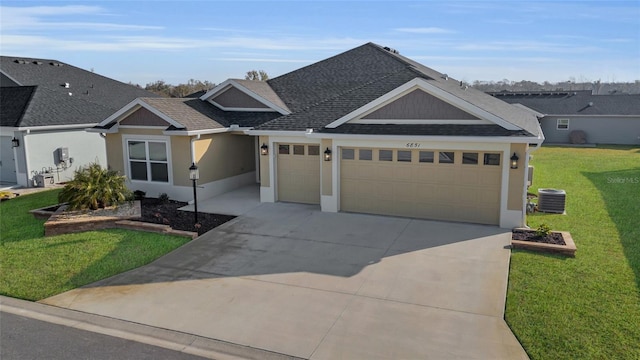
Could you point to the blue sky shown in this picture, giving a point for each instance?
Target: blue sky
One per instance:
(174, 41)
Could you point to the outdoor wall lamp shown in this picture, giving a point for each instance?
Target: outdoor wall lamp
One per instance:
(15, 142)
(194, 175)
(514, 161)
(264, 149)
(327, 155)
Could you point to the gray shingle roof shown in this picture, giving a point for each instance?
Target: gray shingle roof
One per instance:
(94, 97)
(13, 104)
(323, 92)
(47, 107)
(426, 130)
(263, 89)
(573, 102)
(195, 114)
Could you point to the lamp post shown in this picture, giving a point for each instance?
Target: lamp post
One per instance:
(194, 175)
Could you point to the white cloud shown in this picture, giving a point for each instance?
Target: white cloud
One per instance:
(32, 18)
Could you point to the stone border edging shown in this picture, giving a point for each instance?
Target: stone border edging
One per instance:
(568, 249)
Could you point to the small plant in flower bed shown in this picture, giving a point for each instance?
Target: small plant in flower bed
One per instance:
(165, 211)
(542, 234)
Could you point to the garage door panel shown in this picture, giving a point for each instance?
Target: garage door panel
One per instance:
(298, 176)
(458, 192)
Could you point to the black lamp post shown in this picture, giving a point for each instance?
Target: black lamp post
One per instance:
(194, 175)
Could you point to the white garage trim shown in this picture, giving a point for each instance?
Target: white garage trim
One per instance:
(270, 193)
(507, 219)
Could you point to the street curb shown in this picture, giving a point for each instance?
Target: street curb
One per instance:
(168, 339)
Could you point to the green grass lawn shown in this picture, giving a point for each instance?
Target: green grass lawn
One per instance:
(587, 307)
(33, 267)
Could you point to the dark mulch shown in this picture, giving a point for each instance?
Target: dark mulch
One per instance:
(167, 213)
(530, 235)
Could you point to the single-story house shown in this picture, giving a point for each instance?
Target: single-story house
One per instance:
(366, 131)
(604, 119)
(46, 107)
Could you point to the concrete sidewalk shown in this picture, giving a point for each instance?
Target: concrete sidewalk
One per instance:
(292, 280)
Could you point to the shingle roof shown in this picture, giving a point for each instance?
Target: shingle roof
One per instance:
(13, 102)
(94, 97)
(573, 102)
(195, 114)
(263, 89)
(426, 130)
(323, 92)
(46, 107)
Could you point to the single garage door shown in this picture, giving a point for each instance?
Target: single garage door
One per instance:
(298, 173)
(430, 184)
(7, 162)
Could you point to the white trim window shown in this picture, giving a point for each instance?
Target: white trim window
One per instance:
(562, 124)
(148, 160)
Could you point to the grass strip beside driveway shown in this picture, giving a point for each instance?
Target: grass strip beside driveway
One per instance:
(33, 267)
(587, 307)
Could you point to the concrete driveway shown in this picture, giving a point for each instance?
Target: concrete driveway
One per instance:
(290, 279)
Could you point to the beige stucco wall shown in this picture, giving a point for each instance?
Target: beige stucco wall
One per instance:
(221, 156)
(327, 184)
(516, 177)
(181, 160)
(218, 156)
(264, 163)
(115, 160)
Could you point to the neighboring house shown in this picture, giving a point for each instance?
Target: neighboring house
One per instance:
(46, 105)
(366, 131)
(605, 119)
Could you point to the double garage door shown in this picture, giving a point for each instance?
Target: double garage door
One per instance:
(431, 184)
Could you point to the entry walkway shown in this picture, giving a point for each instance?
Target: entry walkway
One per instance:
(290, 279)
(236, 202)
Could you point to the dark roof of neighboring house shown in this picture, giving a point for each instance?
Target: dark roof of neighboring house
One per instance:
(41, 106)
(93, 97)
(325, 91)
(581, 102)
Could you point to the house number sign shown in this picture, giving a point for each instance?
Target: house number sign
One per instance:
(413, 145)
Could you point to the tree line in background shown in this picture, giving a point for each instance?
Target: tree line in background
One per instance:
(193, 86)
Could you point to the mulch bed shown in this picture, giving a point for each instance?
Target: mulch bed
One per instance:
(530, 235)
(167, 213)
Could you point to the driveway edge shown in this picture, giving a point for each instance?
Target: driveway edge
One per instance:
(168, 339)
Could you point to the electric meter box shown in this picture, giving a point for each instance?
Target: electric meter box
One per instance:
(63, 154)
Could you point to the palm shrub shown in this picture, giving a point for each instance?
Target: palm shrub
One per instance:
(94, 187)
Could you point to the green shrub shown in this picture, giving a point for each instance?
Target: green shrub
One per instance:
(94, 187)
(139, 195)
(164, 198)
(543, 230)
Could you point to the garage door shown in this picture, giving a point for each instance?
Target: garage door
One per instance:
(430, 184)
(7, 162)
(299, 173)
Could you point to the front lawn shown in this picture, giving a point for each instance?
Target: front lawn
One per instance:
(587, 307)
(33, 267)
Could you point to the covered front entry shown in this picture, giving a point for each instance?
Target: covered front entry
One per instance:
(430, 184)
(298, 175)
